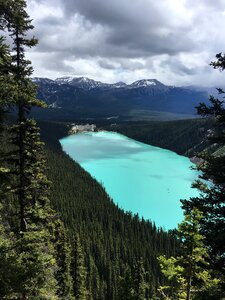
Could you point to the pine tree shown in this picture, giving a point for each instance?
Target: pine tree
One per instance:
(188, 273)
(139, 284)
(96, 289)
(132, 286)
(212, 196)
(26, 136)
(8, 264)
(63, 259)
(6, 93)
(29, 221)
(79, 272)
(126, 291)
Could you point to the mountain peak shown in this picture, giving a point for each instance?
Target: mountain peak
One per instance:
(88, 84)
(119, 84)
(41, 80)
(146, 83)
(81, 82)
(64, 79)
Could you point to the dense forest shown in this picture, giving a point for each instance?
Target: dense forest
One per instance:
(100, 244)
(113, 241)
(69, 179)
(185, 137)
(62, 237)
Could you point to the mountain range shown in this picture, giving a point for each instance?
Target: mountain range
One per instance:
(73, 97)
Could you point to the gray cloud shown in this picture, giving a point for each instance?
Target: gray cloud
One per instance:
(129, 39)
(179, 67)
(107, 65)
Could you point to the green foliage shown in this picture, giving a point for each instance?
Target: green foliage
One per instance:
(220, 62)
(126, 291)
(7, 262)
(212, 195)
(35, 261)
(28, 225)
(188, 273)
(139, 284)
(79, 272)
(132, 286)
(38, 260)
(185, 137)
(110, 238)
(62, 247)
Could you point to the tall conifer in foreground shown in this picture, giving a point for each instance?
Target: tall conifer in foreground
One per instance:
(188, 274)
(35, 261)
(7, 253)
(6, 89)
(212, 196)
(30, 222)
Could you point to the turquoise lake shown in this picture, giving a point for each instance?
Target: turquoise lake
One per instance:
(140, 178)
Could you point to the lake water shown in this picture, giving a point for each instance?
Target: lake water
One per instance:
(140, 178)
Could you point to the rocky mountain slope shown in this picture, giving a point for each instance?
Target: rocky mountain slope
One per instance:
(84, 97)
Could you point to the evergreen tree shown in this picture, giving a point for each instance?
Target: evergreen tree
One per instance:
(8, 264)
(139, 284)
(6, 92)
(29, 221)
(33, 242)
(111, 238)
(188, 273)
(79, 272)
(126, 291)
(212, 195)
(132, 286)
(96, 286)
(63, 259)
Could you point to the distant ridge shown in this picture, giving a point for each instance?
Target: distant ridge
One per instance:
(83, 97)
(87, 83)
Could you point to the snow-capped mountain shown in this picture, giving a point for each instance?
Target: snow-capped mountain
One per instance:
(82, 82)
(119, 84)
(84, 96)
(145, 83)
(89, 84)
(39, 80)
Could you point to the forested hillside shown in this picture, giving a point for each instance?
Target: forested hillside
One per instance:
(185, 137)
(113, 241)
(116, 244)
(85, 98)
(61, 236)
(100, 244)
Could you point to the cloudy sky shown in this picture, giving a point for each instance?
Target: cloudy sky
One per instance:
(126, 40)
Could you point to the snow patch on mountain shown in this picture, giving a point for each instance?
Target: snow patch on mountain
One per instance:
(119, 84)
(89, 84)
(145, 83)
(39, 80)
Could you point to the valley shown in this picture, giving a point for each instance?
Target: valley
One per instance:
(85, 206)
(112, 177)
(145, 180)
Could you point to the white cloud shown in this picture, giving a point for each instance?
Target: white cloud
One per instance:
(171, 40)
